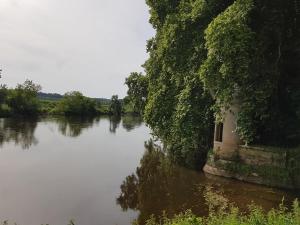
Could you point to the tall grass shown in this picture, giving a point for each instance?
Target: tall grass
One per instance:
(221, 212)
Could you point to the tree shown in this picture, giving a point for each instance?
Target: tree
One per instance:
(115, 107)
(3, 93)
(205, 54)
(137, 92)
(230, 43)
(179, 109)
(253, 56)
(74, 103)
(23, 99)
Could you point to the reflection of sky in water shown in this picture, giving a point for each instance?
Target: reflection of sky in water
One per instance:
(72, 175)
(56, 169)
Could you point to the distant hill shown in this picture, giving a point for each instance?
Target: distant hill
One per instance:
(49, 96)
(57, 97)
(103, 101)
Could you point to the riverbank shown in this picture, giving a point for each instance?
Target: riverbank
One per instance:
(233, 216)
(48, 108)
(222, 211)
(275, 167)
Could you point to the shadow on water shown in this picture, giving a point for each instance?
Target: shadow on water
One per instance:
(19, 131)
(160, 186)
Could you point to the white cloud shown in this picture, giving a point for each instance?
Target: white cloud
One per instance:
(85, 45)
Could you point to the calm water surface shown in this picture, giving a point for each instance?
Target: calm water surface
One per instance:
(99, 171)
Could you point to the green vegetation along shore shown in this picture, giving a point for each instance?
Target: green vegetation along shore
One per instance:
(27, 100)
(221, 213)
(256, 216)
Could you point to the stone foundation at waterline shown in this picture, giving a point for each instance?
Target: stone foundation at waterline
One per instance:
(274, 167)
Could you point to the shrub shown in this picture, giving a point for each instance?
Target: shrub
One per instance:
(74, 103)
(23, 99)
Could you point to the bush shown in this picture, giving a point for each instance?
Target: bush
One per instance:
(115, 107)
(74, 103)
(23, 99)
(48, 106)
(256, 216)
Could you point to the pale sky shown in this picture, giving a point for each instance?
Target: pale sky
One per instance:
(64, 45)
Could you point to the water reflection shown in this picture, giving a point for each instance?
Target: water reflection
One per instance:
(114, 122)
(73, 126)
(19, 131)
(160, 186)
(59, 179)
(130, 122)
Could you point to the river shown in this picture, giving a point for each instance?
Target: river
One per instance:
(100, 171)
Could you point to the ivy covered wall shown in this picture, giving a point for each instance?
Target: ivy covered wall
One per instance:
(205, 54)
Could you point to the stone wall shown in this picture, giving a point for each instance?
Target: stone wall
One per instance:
(261, 156)
(262, 165)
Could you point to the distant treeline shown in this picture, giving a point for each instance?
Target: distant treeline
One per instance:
(57, 97)
(49, 96)
(27, 99)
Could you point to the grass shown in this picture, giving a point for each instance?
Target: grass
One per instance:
(221, 212)
(234, 217)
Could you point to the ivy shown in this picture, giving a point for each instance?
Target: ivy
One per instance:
(207, 56)
(178, 108)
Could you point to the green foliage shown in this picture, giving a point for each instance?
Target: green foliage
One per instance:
(252, 62)
(23, 99)
(127, 105)
(5, 110)
(48, 106)
(137, 92)
(115, 107)
(3, 93)
(49, 96)
(229, 41)
(232, 216)
(247, 54)
(74, 103)
(103, 109)
(178, 108)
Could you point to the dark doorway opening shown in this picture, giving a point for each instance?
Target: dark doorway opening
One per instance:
(219, 132)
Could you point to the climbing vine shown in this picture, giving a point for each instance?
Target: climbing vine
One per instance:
(207, 56)
(248, 45)
(179, 109)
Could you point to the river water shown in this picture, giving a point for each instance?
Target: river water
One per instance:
(100, 171)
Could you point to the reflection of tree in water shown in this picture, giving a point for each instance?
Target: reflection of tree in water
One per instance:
(114, 122)
(73, 126)
(159, 185)
(18, 130)
(130, 122)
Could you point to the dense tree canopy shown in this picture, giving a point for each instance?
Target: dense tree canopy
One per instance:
(207, 54)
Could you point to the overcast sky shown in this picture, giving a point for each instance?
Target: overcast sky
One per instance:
(64, 45)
